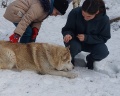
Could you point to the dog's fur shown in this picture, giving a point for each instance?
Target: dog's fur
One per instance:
(43, 58)
(75, 3)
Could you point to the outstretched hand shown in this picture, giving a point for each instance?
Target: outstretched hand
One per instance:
(67, 38)
(81, 37)
(14, 38)
(34, 33)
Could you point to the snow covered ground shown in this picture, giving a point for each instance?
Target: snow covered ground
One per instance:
(104, 80)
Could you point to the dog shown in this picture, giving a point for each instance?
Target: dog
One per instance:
(75, 3)
(42, 58)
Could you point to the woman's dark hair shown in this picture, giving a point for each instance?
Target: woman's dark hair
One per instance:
(92, 6)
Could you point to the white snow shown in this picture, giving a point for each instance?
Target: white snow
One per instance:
(104, 80)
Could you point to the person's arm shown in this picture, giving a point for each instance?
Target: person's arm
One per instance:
(31, 15)
(102, 37)
(37, 25)
(35, 29)
(70, 24)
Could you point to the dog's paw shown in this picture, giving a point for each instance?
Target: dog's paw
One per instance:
(72, 75)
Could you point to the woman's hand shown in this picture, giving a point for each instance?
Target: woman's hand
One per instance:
(67, 38)
(81, 37)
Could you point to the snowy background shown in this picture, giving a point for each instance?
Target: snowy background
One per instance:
(104, 80)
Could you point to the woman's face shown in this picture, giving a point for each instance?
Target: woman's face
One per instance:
(88, 16)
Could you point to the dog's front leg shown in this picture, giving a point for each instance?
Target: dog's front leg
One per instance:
(62, 73)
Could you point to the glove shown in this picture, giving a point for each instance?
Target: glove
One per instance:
(34, 33)
(14, 38)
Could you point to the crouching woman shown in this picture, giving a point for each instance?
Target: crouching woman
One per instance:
(88, 29)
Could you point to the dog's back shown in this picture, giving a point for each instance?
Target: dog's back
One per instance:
(22, 55)
(33, 55)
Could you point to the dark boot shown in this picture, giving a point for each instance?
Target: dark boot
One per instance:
(90, 62)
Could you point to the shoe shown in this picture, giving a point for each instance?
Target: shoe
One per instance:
(90, 62)
(89, 65)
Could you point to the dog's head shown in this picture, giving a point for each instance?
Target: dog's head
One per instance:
(65, 63)
(60, 58)
(65, 60)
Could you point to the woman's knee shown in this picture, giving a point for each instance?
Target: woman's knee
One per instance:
(100, 52)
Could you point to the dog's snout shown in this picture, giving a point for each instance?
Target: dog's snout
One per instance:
(66, 69)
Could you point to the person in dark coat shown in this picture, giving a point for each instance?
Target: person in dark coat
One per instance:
(88, 29)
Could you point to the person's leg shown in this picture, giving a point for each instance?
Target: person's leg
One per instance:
(15, 24)
(75, 48)
(97, 53)
(26, 37)
(32, 40)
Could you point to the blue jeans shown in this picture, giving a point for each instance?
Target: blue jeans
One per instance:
(26, 37)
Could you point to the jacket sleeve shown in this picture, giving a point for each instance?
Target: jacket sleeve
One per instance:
(102, 37)
(37, 25)
(70, 25)
(27, 19)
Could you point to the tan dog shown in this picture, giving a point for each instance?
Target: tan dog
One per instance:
(75, 3)
(40, 57)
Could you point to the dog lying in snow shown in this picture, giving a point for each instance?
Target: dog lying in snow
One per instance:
(43, 58)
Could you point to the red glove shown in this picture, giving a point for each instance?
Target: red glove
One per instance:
(34, 33)
(14, 38)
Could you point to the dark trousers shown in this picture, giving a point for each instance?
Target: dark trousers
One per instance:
(26, 37)
(97, 51)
